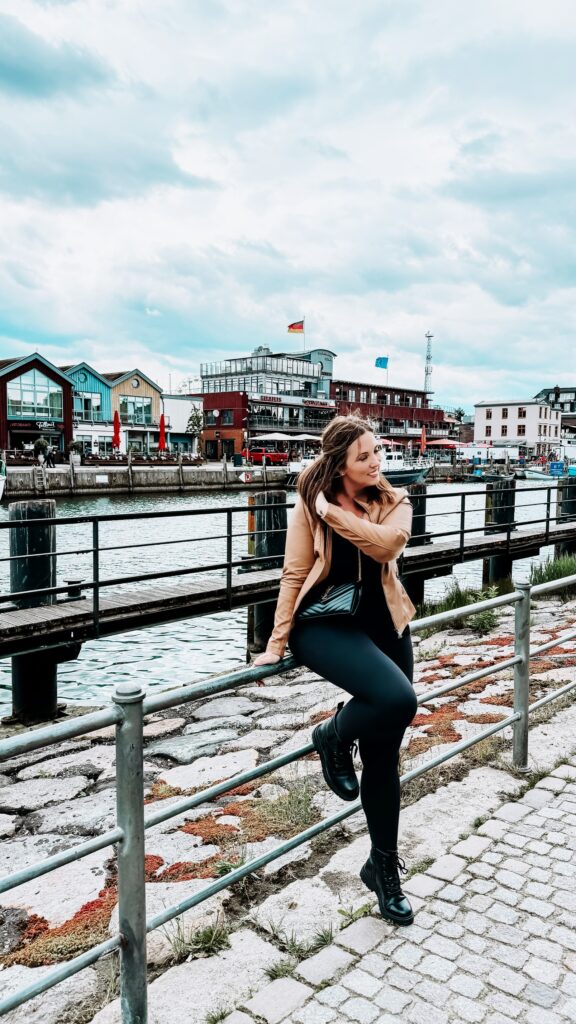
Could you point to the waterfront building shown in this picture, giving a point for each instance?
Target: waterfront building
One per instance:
(178, 410)
(563, 399)
(92, 409)
(397, 413)
(138, 401)
(532, 425)
(35, 400)
(265, 393)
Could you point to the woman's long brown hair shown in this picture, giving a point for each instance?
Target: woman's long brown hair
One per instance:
(325, 472)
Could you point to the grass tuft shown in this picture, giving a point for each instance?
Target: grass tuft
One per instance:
(459, 597)
(555, 569)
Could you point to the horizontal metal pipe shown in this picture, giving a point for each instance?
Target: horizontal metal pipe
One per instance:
(551, 696)
(59, 859)
(51, 734)
(223, 787)
(480, 673)
(553, 643)
(240, 677)
(464, 611)
(545, 588)
(115, 517)
(459, 748)
(67, 970)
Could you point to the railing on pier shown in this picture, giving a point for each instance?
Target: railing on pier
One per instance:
(127, 715)
(229, 539)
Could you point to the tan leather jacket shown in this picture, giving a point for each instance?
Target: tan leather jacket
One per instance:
(382, 533)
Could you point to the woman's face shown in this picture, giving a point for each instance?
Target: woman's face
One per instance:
(362, 467)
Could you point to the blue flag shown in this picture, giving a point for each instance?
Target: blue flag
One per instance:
(382, 362)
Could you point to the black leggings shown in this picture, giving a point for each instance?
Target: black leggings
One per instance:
(366, 657)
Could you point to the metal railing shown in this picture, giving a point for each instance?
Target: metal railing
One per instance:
(131, 706)
(95, 548)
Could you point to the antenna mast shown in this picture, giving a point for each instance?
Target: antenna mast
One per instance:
(428, 370)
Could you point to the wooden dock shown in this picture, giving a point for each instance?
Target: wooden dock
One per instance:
(132, 607)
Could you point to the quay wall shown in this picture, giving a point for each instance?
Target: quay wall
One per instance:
(34, 481)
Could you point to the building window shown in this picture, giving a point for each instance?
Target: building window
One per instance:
(88, 406)
(418, 401)
(363, 397)
(396, 399)
(540, 413)
(504, 413)
(555, 431)
(135, 410)
(504, 431)
(34, 396)
(488, 414)
(488, 431)
(521, 412)
(227, 417)
(521, 430)
(373, 398)
(351, 394)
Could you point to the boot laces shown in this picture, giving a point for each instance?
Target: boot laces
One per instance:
(343, 755)
(392, 867)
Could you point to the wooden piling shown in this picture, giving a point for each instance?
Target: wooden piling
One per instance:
(267, 527)
(499, 518)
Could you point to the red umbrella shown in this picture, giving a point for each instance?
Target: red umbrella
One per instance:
(116, 434)
(423, 441)
(162, 435)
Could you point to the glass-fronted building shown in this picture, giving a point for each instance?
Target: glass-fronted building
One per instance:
(35, 401)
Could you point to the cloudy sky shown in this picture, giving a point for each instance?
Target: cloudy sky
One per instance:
(179, 180)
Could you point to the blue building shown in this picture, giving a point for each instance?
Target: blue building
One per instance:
(92, 408)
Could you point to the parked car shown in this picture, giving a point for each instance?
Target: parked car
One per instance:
(265, 456)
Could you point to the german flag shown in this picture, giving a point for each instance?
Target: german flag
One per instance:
(296, 328)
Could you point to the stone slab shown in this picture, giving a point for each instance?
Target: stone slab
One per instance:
(223, 707)
(220, 982)
(207, 770)
(208, 725)
(279, 999)
(324, 965)
(90, 762)
(88, 815)
(44, 754)
(308, 905)
(36, 793)
(185, 749)
(154, 728)
(52, 1006)
(257, 739)
(57, 896)
(7, 825)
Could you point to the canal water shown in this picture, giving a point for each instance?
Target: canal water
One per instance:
(189, 651)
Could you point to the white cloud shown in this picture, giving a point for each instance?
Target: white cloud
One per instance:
(383, 169)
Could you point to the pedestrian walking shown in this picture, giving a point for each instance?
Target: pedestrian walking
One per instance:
(345, 614)
(50, 457)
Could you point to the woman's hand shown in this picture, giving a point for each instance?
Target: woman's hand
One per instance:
(266, 658)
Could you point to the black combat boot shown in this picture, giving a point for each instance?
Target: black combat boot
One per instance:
(336, 760)
(381, 874)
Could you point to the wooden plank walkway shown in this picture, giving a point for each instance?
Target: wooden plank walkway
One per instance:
(136, 606)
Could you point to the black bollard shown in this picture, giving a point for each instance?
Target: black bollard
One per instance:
(566, 512)
(268, 529)
(414, 583)
(499, 518)
(34, 676)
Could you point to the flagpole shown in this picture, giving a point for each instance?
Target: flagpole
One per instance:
(304, 331)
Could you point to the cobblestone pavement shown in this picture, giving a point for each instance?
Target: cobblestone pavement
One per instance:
(494, 940)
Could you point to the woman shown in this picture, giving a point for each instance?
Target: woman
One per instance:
(348, 514)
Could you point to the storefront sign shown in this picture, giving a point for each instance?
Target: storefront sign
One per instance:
(315, 403)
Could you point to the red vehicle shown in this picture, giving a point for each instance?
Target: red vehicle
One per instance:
(267, 456)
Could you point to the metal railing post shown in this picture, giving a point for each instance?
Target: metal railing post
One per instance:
(521, 677)
(462, 523)
(229, 558)
(131, 880)
(96, 576)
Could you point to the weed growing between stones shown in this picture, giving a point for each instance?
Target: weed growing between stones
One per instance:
(187, 943)
(216, 1016)
(284, 817)
(160, 790)
(283, 969)
(349, 915)
(108, 988)
(421, 865)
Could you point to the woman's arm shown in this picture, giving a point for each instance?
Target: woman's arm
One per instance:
(382, 541)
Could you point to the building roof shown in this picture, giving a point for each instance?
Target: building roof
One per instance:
(118, 376)
(510, 401)
(84, 365)
(381, 386)
(7, 364)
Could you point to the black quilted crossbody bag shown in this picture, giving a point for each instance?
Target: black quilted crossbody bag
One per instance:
(340, 599)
